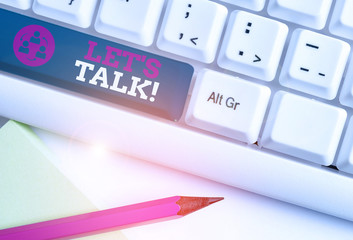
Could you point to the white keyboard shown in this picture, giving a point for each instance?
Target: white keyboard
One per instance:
(256, 94)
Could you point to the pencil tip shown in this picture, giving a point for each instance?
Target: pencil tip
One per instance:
(215, 199)
(192, 204)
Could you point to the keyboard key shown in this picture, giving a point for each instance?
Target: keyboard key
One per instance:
(247, 47)
(342, 19)
(228, 106)
(133, 21)
(94, 67)
(346, 96)
(314, 64)
(303, 128)
(181, 32)
(345, 157)
(311, 13)
(256, 5)
(75, 12)
(22, 4)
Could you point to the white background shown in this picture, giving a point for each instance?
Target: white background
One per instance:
(110, 179)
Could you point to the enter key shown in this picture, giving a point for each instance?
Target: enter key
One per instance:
(228, 106)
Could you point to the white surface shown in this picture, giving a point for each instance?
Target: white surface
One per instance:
(345, 158)
(248, 48)
(110, 179)
(228, 105)
(133, 21)
(166, 143)
(181, 32)
(303, 128)
(323, 58)
(342, 19)
(75, 12)
(22, 4)
(311, 13)
(256, 5)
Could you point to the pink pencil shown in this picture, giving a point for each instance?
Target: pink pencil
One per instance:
(110, 219)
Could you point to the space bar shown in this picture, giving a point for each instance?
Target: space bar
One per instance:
(165, 143)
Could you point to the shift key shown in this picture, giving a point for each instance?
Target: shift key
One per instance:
(228, 106)
(92, 66)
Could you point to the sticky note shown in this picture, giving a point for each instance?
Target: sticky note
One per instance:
(32, 189)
